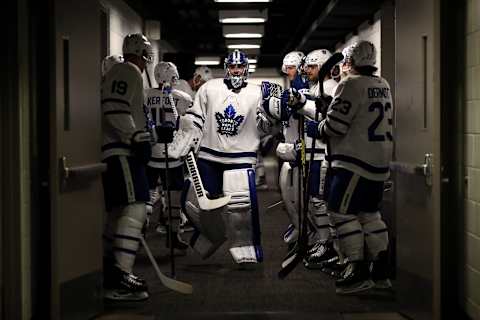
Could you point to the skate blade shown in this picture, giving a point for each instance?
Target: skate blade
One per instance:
(118, 295)
(357, 287)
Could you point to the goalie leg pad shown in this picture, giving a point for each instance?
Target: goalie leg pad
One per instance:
(210, 231)
(350, 235)
(242, 215)
(127, 235)
(376, 233)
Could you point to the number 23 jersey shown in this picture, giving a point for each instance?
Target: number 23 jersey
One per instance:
(359, 124)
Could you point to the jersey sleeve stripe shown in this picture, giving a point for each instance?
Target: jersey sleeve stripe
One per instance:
(196, 115)
(332, 130)
(359, 163)
(112, 112)
(115, 100)
(338, 120)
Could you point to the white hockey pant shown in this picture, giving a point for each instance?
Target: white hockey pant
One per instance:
(210, 232)
(376, 233)
(127, 233)
(289, 192)
(242, 215)
(350, 235)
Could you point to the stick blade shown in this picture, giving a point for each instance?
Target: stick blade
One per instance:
(211, 204)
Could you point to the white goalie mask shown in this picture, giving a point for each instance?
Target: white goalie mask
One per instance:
(166, 73)
(138, 44)
(293, 58)
(361, 54)
(109, 61)
(238, 58)
(317, 57)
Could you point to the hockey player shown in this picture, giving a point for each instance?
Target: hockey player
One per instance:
(159, 102)
(358, 125)
(201, 75)
(230, 111)
(286, 150)
(126, 150)
(320, 248)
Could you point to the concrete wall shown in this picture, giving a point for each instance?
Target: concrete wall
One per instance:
(472, 162)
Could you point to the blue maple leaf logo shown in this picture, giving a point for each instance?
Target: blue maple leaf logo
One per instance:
(228, 122)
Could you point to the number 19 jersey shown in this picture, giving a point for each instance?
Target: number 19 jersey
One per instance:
(359, 124)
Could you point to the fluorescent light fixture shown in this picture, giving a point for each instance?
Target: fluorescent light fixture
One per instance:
(253, 66)
(243, 46)
(241, 1)
(253, 60)
(243, 31)
(251, 70)
(207, 61)
(242, 16)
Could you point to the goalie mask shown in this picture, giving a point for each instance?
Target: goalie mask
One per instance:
(138, 44)
(236, 68)
(166, 73)
(361, 54)
(293, 58)
(109, 61)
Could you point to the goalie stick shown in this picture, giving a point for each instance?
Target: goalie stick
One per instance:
(168, 282)
(299, 251)
(203, 201)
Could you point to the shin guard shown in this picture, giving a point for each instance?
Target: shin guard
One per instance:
(350, 235)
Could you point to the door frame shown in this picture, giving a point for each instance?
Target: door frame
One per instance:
(452, 188)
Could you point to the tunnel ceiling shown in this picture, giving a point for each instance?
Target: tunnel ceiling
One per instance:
(192, 26)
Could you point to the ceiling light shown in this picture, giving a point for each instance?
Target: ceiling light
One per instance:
(252, 60)
(243, 46)
(242, 16)
(207, 61)
(251, 70)
(242, 1)
(243, 31)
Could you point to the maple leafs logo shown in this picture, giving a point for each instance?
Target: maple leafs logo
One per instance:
(228, 122)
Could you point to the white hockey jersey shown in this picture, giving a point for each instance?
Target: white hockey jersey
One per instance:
(158, 103)
(230, 133)
(359, 124)
(123, 112)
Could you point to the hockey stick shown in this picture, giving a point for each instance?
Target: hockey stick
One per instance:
(299, 251)
(203, 201)
(168, 282)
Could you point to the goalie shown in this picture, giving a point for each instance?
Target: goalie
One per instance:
(233, 123)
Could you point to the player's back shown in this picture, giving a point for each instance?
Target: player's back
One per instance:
(365, 103)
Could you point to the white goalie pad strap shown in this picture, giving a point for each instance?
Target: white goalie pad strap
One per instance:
(210, 231)
(126, 238)
(286, 151)
(242, 211)
(245, 254)
(289, 191)
(187, 137)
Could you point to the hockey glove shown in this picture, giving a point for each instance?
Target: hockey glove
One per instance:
(312, 129)
(165, 132)
(293, 99)
(141, 147)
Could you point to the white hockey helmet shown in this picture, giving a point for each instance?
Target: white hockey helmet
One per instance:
(293, 58)
(204, 72)
(236, 57)
(317, 57)
(361, 54)
(166, 72)
(109, 61)
(138, 44)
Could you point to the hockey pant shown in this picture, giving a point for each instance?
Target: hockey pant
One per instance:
(122, 234)
(210, 231)
(289, 192)
(242, 215)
